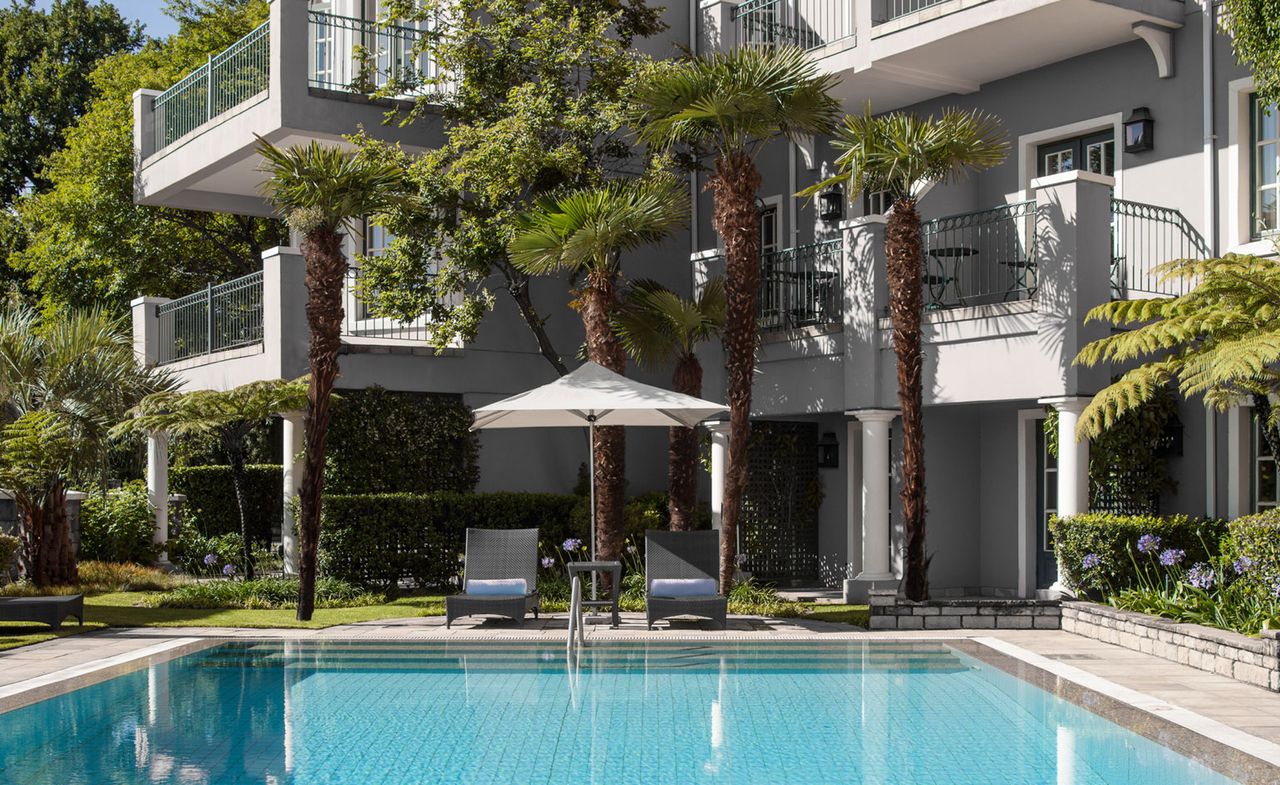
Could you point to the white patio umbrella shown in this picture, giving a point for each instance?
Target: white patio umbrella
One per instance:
(591, 396)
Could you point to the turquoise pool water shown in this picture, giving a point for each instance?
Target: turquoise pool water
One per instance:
(874, 713)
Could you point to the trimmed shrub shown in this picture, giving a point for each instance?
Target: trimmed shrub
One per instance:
(211, 500)
(1253, 543)
(1109, 541)
(263, 593)
(433, 450)
(118, 527)
(378, 540)
(9, 546)
(190, 552)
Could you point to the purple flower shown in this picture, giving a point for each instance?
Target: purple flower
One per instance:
(1201, 576)
(1090, 561)
(1242, 565)
(547, 562)
(572, 544)
(1148, 543)
(1172, 556)
(210, 559)
(229, 570)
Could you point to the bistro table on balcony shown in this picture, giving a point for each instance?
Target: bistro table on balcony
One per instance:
(948, 262)
(811, 299)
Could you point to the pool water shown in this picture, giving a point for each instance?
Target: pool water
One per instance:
(784, 713)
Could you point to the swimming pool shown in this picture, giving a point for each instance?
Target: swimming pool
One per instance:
(781, 713)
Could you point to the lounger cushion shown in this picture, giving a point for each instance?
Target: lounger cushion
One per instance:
(505, 587)
(683, 587)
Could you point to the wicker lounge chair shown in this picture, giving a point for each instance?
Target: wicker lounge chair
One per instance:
(45, 610)
(683, 556)
(498, 554)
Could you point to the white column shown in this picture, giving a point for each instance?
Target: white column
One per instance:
(158, 487)
(876, 530)
(1073, 468)
(719, 460)
(293, 448)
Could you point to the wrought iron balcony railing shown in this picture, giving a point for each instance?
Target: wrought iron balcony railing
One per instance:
(808, 24)
(887, 10)
(982, 257)
(1143, 237)
(800, 287)
(363, 56)
(226, 316)
(360, 320)
(227, 80)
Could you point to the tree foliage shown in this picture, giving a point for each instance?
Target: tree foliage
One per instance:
(1221, 340)
(82, 241)
(530, 98)
(1254, 29)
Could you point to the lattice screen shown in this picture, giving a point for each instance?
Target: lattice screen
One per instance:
(780, 508)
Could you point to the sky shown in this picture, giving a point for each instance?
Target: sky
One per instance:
(149, 12)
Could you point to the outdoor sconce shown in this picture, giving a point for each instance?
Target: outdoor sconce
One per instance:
(831, 205)
(828, 451)
(1139, 131)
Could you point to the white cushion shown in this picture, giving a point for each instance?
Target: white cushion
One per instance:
(683, 587)
(505, 587)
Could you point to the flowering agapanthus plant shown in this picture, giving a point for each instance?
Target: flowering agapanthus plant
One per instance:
(229, 570)
(1201, 576)
(210, 559)
(572, 544)
(1242, 565)
(1090, 561)
(548, 562)
(1148, 543)
(1172, 556)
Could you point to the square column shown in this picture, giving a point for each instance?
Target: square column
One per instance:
(293, 453)
(158, 488)
(719, 460)
(873, 491)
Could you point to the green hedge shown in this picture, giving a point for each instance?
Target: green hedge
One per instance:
(1114, 538)
(119, 526)
(211, 499)
(377, 540)
(1256, 538)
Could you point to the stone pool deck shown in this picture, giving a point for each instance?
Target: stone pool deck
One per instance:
(1244, 717)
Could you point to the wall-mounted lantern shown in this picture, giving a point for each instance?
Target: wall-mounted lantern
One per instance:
(831, 205)
(828, 451)
(1139, 131)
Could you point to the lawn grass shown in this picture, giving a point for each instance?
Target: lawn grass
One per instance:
(858, 615)
(19, 633)
(123, 609)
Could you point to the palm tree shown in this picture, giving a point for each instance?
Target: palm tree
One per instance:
(730, 105)
(320, 190)
(585, 232)
(63, 384)
(903, 154)
(1220, 340)
(230, 416)
(657, 325)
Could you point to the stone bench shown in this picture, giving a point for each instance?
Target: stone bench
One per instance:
(45, 610)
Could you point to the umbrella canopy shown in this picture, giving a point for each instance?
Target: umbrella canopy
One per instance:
(595, 395)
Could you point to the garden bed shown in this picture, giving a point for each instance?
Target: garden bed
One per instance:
(1250, 660)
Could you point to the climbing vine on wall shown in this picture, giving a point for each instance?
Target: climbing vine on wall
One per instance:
(1129, 463)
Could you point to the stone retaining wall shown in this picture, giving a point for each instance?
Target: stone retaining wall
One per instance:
(890, 612)
(1253, 661)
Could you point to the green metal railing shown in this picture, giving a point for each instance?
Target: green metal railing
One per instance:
(360, 321)
(982, 257)
(887, 10)
(1144, 236)
(807, 24)
(227, 80)
(800, 287)
(362, 56)
(226, 316)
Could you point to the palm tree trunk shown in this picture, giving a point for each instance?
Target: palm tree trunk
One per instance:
(682, 452)
(904, 262)
(326, 269)
(236, 457)
(48, 557)
(599, 303)
(734, 184)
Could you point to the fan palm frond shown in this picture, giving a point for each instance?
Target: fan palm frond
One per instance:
(656, 324)
(317, 185)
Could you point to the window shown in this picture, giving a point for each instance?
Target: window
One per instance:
(1094, 153)
(1265, 491)
(877, 202)
(1266, 152)
(769, 229)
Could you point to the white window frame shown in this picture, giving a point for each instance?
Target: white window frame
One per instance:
(1260, 460)
(1028, 144)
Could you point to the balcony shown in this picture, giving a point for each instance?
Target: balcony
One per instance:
(1144, 236)
(808, 24)
(217, 319)
(303, 75)
(980, 258)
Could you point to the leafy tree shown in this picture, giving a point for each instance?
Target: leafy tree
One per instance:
(63, 384)
(730, 105)
(1255, 39)
(1221, 340)
(321, 190)
(529, 95)
(230, 416)
(656, 325)
(901, 153)
(585, 233)
(44, 79)
(82, 241)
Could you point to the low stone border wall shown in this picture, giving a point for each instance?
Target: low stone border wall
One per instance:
(891, 612)
(1253, 661)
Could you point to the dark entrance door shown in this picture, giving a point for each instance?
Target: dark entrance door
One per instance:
(1046, 480)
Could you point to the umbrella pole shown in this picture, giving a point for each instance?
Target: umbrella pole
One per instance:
(591, 470)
